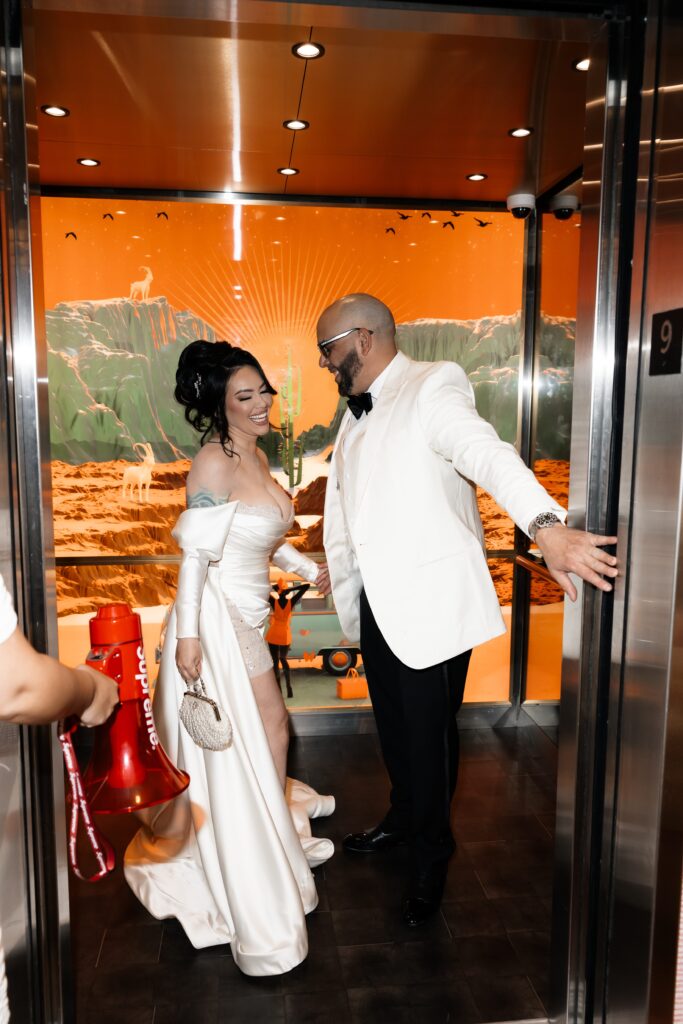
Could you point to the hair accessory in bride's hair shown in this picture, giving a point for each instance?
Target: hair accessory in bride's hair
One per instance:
(197, 384)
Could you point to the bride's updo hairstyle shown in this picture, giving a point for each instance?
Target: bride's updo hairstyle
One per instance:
(204, 369)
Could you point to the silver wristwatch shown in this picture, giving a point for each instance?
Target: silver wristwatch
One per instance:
(545, 519)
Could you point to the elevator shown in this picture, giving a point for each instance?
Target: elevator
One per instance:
(617, 874)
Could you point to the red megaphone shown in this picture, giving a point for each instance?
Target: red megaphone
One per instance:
(129, 768)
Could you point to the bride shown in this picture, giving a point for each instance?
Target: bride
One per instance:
(231, 857)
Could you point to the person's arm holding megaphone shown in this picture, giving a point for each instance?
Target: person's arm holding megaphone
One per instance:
(36, 689)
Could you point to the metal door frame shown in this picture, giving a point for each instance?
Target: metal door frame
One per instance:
(591, 653)
(29, 485)
(588, 659)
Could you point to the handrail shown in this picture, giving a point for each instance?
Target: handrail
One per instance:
(66, 560)
(74, 560)
(534, 566)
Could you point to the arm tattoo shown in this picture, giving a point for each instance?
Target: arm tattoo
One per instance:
(206, 499)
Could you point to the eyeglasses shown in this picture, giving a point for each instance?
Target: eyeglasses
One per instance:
(325, 344)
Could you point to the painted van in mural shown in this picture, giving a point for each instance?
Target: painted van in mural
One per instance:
(316, 632)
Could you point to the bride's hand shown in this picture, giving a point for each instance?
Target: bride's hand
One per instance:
(322, 580)
(188, 658)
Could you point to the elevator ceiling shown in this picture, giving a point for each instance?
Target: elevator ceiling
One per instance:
(177, 103)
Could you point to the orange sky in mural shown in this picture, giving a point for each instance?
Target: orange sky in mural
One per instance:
(294, 260)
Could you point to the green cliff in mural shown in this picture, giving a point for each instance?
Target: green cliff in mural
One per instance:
(112, 363)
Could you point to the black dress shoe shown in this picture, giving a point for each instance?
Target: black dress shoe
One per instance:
(422, 897)
(416, 910)
(374, 841)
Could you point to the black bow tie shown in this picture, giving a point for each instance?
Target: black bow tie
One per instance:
(358, 404)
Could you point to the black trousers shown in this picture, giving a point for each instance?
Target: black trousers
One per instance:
(416, 710)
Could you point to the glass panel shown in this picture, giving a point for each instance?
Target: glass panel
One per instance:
(553, 388)
(554, 376)
(544, 663)
(488, 678)
(129, 283)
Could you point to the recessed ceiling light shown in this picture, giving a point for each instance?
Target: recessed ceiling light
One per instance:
(237, 287)
(52, 110)
(296, 125)
(88, 161)
(476, 177)
(279, 218)
(239, 297)
(520, 133)
(308, 51)
(581, 65)
(288, 170)
(121, 213)
(433, 221)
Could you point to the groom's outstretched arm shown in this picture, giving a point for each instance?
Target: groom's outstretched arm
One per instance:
(454, 429)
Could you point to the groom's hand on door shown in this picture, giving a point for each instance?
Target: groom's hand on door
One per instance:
(567, 551)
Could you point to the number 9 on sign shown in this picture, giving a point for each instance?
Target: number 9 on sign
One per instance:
(667, 343)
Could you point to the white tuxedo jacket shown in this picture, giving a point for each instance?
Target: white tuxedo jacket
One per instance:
(408, 529)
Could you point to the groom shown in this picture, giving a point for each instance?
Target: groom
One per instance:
(405, 550)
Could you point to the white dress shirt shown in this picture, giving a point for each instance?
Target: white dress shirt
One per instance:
(361, 422)
(347, 459)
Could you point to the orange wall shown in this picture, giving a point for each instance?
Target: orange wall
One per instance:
(294, 261)
(560, 265)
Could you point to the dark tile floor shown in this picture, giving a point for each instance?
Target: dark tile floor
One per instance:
(485, 957)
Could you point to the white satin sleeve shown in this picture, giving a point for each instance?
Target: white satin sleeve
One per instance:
(288, 559)
(455, 430)
(201, 534)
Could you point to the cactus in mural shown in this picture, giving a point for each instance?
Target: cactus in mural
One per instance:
(291, 449)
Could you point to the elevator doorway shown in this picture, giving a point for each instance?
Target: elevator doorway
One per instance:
(589, 489)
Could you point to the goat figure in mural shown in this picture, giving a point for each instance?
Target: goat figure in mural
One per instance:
(139, 290)
(291, 450)
(138, 475)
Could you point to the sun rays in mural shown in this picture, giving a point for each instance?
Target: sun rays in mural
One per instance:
(275, 294)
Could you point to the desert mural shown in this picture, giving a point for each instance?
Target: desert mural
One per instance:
(120, 445)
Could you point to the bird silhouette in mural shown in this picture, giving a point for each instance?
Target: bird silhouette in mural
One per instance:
(71, 234)
(448, 224)
(404, 216)
(107, 216)
(483, 223)
(427, 215)
(389, 231)
(454, 213)
(163, 214)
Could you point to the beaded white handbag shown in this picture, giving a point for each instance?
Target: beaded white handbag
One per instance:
(204, 719)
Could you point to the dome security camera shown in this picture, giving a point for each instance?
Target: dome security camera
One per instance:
(520, 204)
(564, 205)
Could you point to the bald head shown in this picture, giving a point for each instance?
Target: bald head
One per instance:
(362, 340)
(361, 310)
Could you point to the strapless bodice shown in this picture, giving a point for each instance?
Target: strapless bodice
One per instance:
(243, 567)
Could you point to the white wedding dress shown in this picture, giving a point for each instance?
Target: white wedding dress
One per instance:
(231, 857)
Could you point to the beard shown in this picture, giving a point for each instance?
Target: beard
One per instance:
(348, 370)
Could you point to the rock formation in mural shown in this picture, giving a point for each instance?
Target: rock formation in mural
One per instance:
(111, 372)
